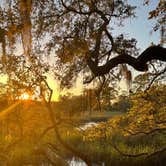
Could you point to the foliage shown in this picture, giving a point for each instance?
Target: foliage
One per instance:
(146, 115)
(71, 104)
(66, 38)
(123, 104)
(45, 24)
(158, 13)
(129, 132)
(144, 120)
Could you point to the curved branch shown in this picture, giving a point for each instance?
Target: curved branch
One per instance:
(139, 63)
(85, 158)
(126, 154)
(148, 155)
(68, 147)
(45, 132)
(110, 37)
(158, 152)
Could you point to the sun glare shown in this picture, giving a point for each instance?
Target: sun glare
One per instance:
(25, 96)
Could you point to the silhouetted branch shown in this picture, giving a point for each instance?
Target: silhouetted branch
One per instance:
(155, 77)
(139, 63)
(88, 80)
(71, 9)
(46, 131)
(68, 147)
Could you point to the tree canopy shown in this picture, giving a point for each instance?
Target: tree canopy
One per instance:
(74, 36)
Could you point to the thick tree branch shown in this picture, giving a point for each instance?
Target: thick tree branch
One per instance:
(139, 63)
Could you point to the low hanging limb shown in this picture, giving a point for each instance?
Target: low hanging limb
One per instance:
(139, 63)
(67, 146)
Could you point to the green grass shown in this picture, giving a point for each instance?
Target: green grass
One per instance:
(98, 150)
(102, 151)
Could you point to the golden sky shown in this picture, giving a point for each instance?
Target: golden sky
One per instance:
(54, 85)
(3, 79)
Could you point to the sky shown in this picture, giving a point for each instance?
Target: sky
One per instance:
(138, 28)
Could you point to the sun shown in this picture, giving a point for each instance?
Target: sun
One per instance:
(25, 96)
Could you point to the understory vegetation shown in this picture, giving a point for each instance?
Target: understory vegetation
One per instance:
(136, 137)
